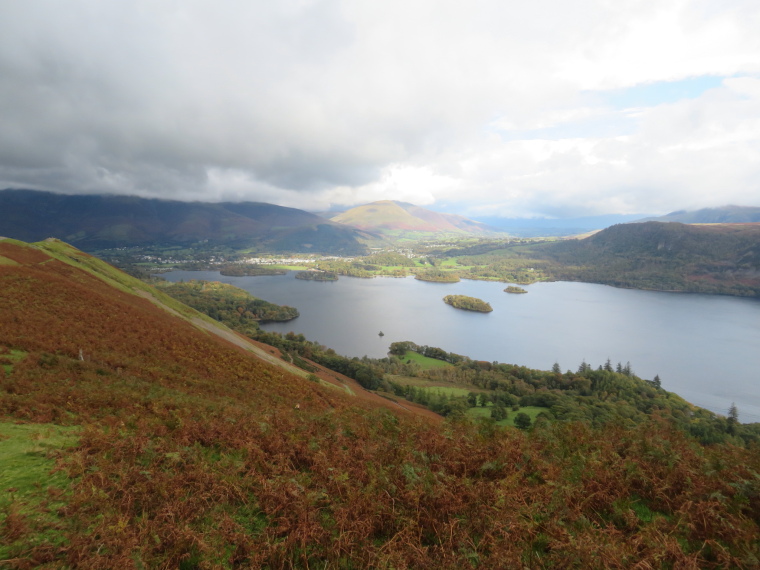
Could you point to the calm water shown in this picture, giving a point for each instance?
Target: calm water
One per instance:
(705, 348)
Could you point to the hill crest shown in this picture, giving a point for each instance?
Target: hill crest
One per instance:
(392, 218)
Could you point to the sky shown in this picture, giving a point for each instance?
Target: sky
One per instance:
(548, 108)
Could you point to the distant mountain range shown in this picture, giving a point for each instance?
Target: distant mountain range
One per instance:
(528, 227)
(559, 227)
(720, 215)
(96, 222)
(93, 222)
(400, 219)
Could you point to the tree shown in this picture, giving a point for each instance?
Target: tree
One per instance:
(733, 418)
(499, 412)
(522, 420)
(657, 382)
(556, 369)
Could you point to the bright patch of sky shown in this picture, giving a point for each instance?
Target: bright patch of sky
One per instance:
(659, 92)
(609, 113)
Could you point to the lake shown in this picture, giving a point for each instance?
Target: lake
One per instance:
(706, 348)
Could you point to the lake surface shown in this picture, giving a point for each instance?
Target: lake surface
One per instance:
(706, 348)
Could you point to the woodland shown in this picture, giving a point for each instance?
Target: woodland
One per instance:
(468, 303)
(316, 276)
(150, 441)
(248, 270)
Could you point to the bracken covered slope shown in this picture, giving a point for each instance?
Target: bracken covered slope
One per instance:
(192, 453)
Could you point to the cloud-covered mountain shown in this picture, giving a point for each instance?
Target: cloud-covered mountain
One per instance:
(99, 221)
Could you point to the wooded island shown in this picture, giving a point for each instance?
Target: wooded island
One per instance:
(467, 303)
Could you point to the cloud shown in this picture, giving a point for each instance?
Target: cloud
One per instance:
(312, 103)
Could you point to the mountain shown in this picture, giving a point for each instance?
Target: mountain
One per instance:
(94, 222)
(137, 433)
(721, 258)
(400, 219)
(721, 215)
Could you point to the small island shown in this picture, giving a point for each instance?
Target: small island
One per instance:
(514, 289)
(467, 303)
(317, 275)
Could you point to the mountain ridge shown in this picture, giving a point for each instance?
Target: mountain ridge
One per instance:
(98, 221)
(393, 218)
(729, 214)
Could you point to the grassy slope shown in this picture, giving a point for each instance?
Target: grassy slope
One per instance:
(424, 362)
(32, 491)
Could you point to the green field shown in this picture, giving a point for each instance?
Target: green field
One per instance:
(28, 485)
(451, 391)
(424, 362)
(7, 360)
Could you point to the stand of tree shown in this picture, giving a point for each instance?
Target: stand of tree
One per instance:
(229, 304)
(467, 303)
(437, 276)
(316, 276)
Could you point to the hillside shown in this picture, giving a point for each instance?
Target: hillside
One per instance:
(95, 222)
(402, 220)
(135, 433)
(722, 258)
(722, 215)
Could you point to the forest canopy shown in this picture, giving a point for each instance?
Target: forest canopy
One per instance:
(468, 303)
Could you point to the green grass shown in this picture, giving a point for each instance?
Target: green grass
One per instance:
(26, 455)
(27, 486)
(436, 386)
(8, 360)
(6, 261)
(424, 362)
(450, 391)
(480, 412)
